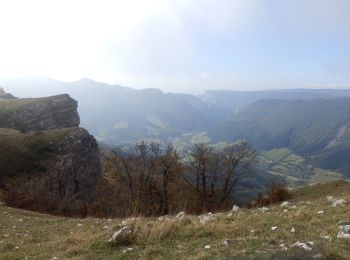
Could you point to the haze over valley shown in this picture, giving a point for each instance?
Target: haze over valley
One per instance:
(174, 129)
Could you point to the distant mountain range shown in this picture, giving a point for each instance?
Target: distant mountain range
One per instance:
(313, 123)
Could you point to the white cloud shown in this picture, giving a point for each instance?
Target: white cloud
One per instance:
(157, 43)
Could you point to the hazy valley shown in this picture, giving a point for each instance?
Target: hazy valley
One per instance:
(312, 124)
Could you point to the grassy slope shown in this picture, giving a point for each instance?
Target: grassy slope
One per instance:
(12, 105)
(43, 237)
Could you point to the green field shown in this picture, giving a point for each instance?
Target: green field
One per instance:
(297, 171)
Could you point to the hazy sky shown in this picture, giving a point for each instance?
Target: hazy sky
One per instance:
(179, 45)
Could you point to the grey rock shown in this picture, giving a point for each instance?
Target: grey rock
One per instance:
(70, 157)
(344, 231)
(79, 163)
(4, 95)
(121, 235)
(38, 114)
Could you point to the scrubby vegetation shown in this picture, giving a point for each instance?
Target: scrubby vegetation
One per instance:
(148, 179)
(154, 180)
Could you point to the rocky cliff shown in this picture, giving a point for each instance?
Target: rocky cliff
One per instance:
(37, 114)
(41, 137)
(4, 95)
(69, 156)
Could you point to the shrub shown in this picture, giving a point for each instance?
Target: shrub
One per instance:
(277, 192)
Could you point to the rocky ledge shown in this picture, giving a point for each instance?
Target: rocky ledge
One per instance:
(40, 137)
(38, 114)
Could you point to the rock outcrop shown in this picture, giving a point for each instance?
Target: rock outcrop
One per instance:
(41, 137)
(4, 95)
(69, 157)
(38, 114)
(78, 163)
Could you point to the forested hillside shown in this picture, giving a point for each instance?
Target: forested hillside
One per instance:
(318, 129)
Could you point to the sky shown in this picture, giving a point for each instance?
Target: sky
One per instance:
(179, 45)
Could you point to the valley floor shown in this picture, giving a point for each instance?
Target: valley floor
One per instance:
(245, 234)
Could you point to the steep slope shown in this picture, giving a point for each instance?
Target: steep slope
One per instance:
(304, 126)
(70, 153)
(307, 127)
(40, 137)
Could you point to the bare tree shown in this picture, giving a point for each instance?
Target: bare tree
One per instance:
(168, 167)
(202, 158)
(235, 160)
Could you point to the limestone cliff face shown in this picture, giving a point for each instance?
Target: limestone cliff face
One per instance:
(37, 114)
(70, 157)
(78, 163)
(41, 136)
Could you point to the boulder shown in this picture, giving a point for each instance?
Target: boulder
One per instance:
(122, 235)
(235, 208)
(207, 217)
(344, 231)
(306, 246)
(180, 215)
(285, 204)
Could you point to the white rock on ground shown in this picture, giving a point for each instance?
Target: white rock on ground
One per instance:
(320, 212)
(226, 242)
(285, 204)
(129, 249)
(263, 209)
(274, 228)
(180, 215)
(207, 217)
(121, 234)
(339, 202)
(283, 246)
(162, 218)
(330, 198)
(306, 246)
(235, 208)
(344, 231)
(292, 230)
(336, 202)
(207, 247)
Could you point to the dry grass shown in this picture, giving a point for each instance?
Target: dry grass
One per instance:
(40, 236)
